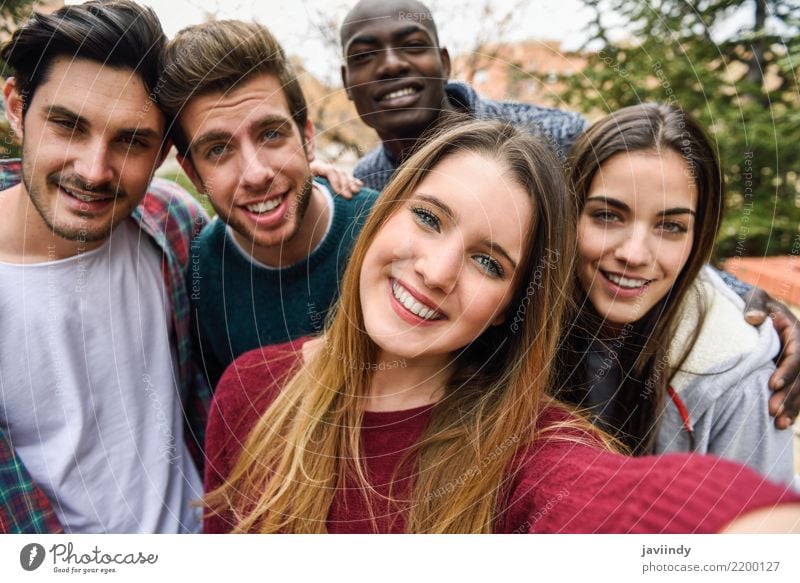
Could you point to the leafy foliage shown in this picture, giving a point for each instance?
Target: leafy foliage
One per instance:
(12, 12)
(741, 84)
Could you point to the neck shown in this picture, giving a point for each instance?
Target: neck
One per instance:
(26, 238)
(399, 384)
(309, 235)
(404, 145)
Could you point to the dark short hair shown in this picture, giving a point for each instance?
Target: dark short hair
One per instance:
(117, 33)
(219, 56)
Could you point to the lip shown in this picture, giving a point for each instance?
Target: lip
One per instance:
(84, 206)
(622, 292)
(271, 218)
(403, 312)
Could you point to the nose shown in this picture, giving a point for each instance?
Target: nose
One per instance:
(256, 170)
(392, 64)
(439, 267)
(636, 248)
(93, 164)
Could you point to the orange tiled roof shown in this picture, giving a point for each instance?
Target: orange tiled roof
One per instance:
(778, 276)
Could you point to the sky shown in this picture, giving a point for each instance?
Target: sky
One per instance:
(297, 23)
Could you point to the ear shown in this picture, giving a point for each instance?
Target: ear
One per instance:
(14, 107)
(188, 167)
(344, 82)
(445, 57)
(308, 135)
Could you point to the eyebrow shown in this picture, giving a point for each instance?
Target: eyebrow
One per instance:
(496, 247)
(613, 202)
(222, 135)
(500, 251)
(451, 214)
(370, 39)
(61, 110)
(142, 133)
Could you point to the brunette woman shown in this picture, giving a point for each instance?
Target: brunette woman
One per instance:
(660, 352)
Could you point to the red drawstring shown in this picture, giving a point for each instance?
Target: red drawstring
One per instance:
(687, 423)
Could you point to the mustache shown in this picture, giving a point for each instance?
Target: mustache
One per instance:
(76, 182)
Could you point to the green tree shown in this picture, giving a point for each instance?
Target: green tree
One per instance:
(740, 81)
(12, 12)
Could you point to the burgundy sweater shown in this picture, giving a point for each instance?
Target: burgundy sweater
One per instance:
(562, 486)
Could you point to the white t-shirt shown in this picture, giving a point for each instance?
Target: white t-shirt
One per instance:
(88, 388)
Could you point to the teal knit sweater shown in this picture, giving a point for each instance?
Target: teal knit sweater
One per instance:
(239, 305)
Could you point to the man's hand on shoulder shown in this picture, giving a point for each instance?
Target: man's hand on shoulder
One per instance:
(343, 183)
(784, 404)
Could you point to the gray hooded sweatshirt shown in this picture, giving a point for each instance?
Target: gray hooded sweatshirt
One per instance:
(723, 384)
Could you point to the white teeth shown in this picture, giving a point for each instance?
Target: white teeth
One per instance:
(265, 206)
(84, 197)
(399, 93)
(412, 305)
(626, 282)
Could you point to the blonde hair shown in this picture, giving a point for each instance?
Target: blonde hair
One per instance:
(307, 444)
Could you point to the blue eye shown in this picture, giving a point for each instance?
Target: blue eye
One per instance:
(271, 134)
(492, 266)
(426, 218)
(216, 151)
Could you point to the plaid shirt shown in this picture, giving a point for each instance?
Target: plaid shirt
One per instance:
(171, 218)
(559, 128)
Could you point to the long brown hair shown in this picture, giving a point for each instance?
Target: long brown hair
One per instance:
(642, 348)
(307, 444)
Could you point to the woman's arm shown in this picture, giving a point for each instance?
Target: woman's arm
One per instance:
(575, 488)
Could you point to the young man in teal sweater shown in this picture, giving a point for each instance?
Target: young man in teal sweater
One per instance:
(268, 268)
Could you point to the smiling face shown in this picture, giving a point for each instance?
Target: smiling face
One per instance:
(394, 72)
(441, 270)
(249, 156)
(91, 140)
(635, 232)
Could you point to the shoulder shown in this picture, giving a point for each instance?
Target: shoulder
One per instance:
(523, 115)
(211, 236)
(349, 217)
(375, 168)
(359, 203)
(256, 377)
(725, 339)
(10, 173)
(370, 160)
(166, 198)
(253, 380)
(171, 215)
